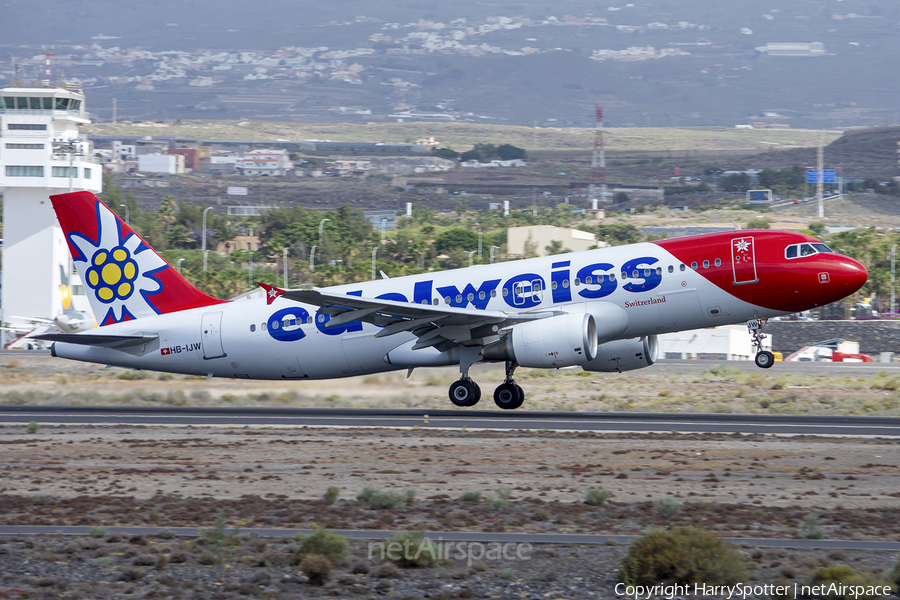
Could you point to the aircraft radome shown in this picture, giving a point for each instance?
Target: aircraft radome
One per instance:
(600, 309)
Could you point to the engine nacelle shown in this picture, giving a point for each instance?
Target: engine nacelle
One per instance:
(625, 355)
(560, 341)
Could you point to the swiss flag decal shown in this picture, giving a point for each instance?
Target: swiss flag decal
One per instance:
(165, 351)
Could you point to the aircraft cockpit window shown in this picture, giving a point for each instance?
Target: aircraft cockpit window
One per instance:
(791, 252)
(822, 248)
(807, 250)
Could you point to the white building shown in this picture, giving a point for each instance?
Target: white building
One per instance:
(123, 151)
(793, 49)
(42, 153)
(729, 342)
(169, 164)
(264, 161)
(538, 237)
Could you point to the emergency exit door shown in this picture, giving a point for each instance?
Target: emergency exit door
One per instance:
(743, 260)
(211, 335)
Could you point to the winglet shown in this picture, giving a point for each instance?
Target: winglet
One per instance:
(272, 292)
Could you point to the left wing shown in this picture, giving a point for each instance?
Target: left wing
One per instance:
(432, 325)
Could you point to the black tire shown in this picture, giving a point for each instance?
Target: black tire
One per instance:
(765, 359)
(509, 396)
(465, 392)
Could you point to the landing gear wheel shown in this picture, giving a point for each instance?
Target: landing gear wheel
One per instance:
(465, 392)
(508, 396)
(765, 359)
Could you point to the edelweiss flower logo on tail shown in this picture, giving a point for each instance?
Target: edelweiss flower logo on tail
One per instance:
(120, 273)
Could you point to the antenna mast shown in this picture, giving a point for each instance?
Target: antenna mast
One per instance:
(598, 161)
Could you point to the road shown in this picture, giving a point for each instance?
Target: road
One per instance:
(461, 536)
(454, 419)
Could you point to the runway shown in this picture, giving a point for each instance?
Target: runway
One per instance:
(454, 419)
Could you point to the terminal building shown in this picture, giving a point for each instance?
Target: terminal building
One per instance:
(42, 152)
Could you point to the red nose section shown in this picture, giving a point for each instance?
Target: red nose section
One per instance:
(851, 275)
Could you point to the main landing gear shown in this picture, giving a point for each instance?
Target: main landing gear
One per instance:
(764, 358)
(465, 392)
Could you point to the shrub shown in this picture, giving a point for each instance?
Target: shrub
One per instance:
(810, 529)
(98, 532)
(502, 499)
(380, 500)
(410, 497)
(33, 428)
(132, 375)
(317, 568)
(325, 543)
(332, 494)
(596, 496)
(365, 494)
(667, 506)
(894, 574)
(683, 555)
(471, 496)
(415, 550)
(103, 561)
(844, 575)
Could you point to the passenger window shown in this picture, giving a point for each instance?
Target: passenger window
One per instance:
(481, 295)
(459, 298)
(565, 283)
(493, 293)
(309, 320)
(694, 266)
(263, 326)
(705, 264)
(624, 275)
(577, 281)
(252, 328)
(446, 299)
(589, 280)
(435, 302)
(671, 269)
(659, 270)
(807, 250)
(681, 268)
(470, 296)
(612, 277)
(718, 262)
(506, 291)
(791, 252)
(553, 285)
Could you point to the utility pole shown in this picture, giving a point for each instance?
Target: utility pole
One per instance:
(115, 102)
(284, 264)
(312, 259)
(820, 178)
(203, 245)
(374, 252)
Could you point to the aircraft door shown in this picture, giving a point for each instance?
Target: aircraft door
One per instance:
(211, 335)
(743, 260)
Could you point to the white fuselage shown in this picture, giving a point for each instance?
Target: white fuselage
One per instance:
(237, 339)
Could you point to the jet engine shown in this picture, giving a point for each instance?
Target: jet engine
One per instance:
(560, 341)
(624, 355)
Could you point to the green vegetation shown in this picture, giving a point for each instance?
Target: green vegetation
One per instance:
(684, 555)
(325, 543)
(98, 532)
(471, 496)
(810, 528)
(596, 496)
(317, 568)
(667, 506)
(415, 550)
(33, 428)
(332, 494)
(220, 542)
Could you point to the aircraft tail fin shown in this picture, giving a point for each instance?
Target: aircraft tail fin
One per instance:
(124, 278)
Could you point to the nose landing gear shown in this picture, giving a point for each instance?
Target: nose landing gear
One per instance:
(764, 358)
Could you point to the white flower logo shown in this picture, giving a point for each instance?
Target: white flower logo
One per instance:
(742, 245)
(120, 272)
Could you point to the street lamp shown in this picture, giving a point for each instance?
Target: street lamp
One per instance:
(178, 265)
(321, 225)
(492, 253)
(250, 278)
(374, 252)
(383, 223)
(479, 239)
(471, 256)
(203, 246)
(125, 206)
(205, 257)
(312, 258)
(893, 256)
(284, 253)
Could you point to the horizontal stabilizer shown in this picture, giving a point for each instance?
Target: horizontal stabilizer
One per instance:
(100, 341)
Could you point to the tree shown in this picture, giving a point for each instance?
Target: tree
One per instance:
(736, 182)
(470, 155)
(817, 227)
(621, 198)
(445, 153)
(510, 152)
(758, 223)
(556, 247)
(456, 238)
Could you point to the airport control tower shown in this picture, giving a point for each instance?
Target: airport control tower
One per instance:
(42, 152)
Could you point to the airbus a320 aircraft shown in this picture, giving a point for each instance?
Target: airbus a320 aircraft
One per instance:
(598, 309)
